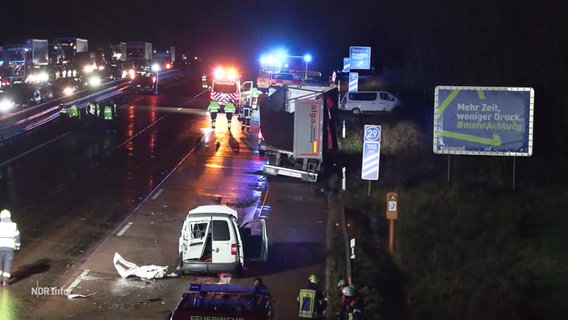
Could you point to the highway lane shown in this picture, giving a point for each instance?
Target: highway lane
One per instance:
(130, 194)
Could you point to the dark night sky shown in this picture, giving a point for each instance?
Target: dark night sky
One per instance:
(241, 30)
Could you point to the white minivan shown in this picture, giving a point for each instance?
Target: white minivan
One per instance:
(369, 101)
(211, 241)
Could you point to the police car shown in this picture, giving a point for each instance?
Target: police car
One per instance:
(224, 301)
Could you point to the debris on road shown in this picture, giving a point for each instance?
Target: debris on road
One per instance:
(127, 269)
(79, 295)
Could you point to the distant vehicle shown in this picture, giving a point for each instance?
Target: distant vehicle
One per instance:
(266, 80)
(224, 301)
(143, 83)
(369, 101)
(123, 69)
(7, 103)
(28, 94)
(211, 241)
(67, 86)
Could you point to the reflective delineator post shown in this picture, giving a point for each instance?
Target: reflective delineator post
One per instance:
(392, 214)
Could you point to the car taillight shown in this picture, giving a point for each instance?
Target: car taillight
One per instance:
(233, 249)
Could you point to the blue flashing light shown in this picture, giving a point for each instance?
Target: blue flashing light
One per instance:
(307, 57)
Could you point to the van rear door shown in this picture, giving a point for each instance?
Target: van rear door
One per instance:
(246, 93)
(224, 246)
(194, 238)
(255, 240)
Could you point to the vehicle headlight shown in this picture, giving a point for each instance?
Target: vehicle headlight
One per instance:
(6, 105)
(95, 81)
(67, 91)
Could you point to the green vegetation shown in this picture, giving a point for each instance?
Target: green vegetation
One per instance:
(472, 247)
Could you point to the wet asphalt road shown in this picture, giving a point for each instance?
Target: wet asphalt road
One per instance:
(93, 191)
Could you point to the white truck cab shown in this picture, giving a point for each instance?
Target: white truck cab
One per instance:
(211, 241)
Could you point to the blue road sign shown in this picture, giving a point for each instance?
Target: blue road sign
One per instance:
(353, 81)
(371, 157)
(372, 133)
(360, 57)
(346, 65)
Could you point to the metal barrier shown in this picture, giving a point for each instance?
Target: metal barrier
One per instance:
(22, 121)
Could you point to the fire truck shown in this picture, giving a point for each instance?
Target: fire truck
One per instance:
(210, 301)
(226, 85)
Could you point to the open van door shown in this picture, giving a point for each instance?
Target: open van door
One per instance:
(194, 238)
(255, 240)
(246, 92)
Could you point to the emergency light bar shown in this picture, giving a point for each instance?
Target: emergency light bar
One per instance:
(222, 73)
(226, 288)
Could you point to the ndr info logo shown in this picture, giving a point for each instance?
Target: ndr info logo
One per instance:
(48, 291)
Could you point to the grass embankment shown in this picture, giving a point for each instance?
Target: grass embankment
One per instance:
(467, 245)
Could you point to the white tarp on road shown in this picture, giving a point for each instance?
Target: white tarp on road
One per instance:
(127, 269)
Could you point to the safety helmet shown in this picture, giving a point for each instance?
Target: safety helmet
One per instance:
(341, 283)
(5, 214)
(313, 279)
(348, 291)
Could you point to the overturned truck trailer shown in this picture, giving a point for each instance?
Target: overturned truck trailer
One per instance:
(297, 132)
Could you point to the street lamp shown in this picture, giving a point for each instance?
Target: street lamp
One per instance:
(307, 59)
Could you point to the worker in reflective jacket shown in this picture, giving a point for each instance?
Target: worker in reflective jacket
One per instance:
(230, 109)
(9, 241)
(311, 300)
(213, 108)
(93, 109)
(74, 112)
(109, 114)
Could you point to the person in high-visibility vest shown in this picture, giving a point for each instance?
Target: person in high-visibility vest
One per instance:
(213, 108)
(74, 112)
(109, 113)
(9, 242)
(246, 114)
(230, 109)
(311, 300)
(93, 110)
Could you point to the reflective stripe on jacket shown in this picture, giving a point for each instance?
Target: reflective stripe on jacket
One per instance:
(230, 107)
(213, 106)
(9, 235)
(307, 300)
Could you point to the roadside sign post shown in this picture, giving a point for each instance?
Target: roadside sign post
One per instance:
(371, 154)
(353, 82)
(392, 214)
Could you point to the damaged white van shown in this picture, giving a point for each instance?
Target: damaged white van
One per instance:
(211, 241)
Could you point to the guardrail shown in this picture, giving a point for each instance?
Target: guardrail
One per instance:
(30, 118)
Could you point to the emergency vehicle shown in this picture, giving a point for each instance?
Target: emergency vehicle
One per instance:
(266, 80)
(226, 85)
(224, 301)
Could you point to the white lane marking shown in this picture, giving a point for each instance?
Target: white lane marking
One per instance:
(76, 282)
(123, 230)
(157, 194)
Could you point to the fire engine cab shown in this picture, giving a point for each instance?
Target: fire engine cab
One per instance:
(226, 85)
